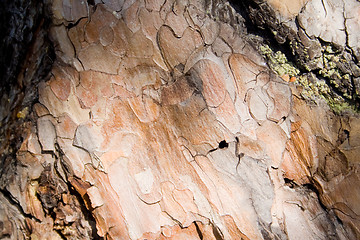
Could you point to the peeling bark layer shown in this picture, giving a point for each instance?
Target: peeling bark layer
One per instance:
(163, 120)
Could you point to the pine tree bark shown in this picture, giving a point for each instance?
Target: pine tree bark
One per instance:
(180, 119)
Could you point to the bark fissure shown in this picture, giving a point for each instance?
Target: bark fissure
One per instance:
(14, 202)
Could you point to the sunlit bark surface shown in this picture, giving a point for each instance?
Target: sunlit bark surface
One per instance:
(168, 120)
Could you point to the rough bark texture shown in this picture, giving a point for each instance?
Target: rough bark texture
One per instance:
(164, 119)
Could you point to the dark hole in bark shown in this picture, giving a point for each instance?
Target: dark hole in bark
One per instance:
(290, 183)
(223, 144)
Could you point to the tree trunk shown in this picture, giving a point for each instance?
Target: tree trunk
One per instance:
(180, 119)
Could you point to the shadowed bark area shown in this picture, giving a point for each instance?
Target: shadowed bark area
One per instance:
(166, 119)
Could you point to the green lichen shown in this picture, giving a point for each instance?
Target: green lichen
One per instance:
(315, 88)
(330, 60)
(278, 62)
(339, 105)
(265, 50)
(329, 49)
(320, 89)
(23, 113)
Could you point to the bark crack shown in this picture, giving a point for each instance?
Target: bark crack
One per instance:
(14, 202)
